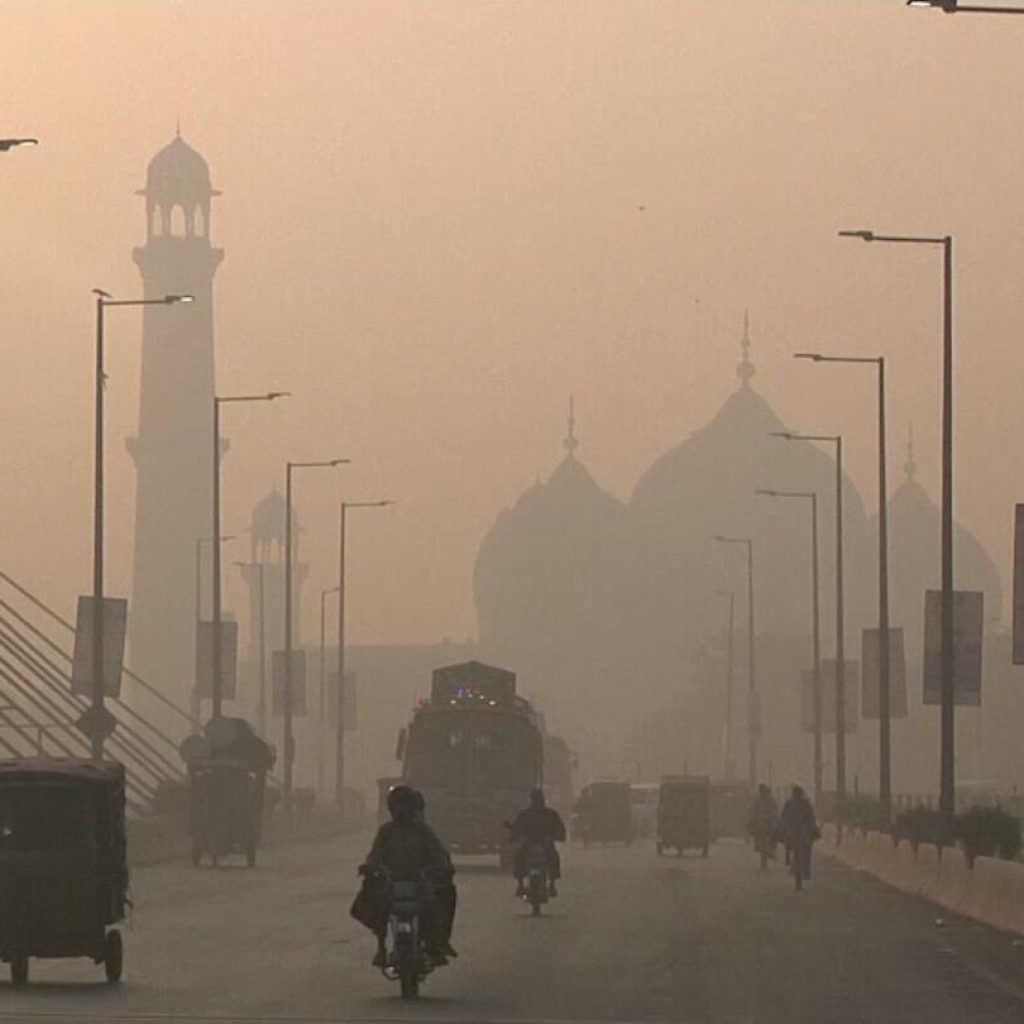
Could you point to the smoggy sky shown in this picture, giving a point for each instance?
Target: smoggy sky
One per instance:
(441, 218)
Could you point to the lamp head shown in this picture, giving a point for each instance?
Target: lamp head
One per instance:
(171, 300)
(949, 6)
(338, 462)
(101, 293)
(784, 434)
(815, 357)
(6, 144)
(767, 492)
(271, 395)
(867, 236)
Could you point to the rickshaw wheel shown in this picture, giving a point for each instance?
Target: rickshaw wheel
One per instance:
(19, 970)
(113, 956)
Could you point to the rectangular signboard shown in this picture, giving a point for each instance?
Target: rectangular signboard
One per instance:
(349, 705)
(870, 683)
(968, 621)
(298, 683)
(1018, 585)
(115, 623)
(828, 697)
(228, 659)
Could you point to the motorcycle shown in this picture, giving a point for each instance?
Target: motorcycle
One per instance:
(537, 883)
(407, 961)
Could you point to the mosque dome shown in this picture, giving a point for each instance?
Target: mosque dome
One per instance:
(543, 572)
(267, 527)
(178, 172)
(915, 529)
(706, 486)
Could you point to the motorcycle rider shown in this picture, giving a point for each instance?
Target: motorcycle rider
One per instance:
(798, 830)
(542, 825)
(406, 848)
(764, 821)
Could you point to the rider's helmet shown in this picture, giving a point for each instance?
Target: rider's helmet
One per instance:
(798, 792)
(419, 803)
(537, 798)
(402, 803)
(764, 790)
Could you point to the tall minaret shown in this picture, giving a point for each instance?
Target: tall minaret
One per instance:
(172, 452)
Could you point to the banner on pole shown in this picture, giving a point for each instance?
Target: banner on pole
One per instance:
(228, 659)
(968, 625)
(1018, 586)
(298, 683)
(115, 624)
(828, 697)
(349, 705)
(871, 674)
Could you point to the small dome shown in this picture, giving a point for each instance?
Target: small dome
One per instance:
(268, 520)
(178, 174)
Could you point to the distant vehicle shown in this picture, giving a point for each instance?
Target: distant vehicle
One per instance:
(730, 808)
(604, 814)
(63, 862)
(684, 814)
(227, 773)
(476, 753)
(643, 802)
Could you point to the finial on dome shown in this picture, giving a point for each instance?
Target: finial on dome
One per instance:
(910, 466)
(177, 127)
(571, 442)
(746, 368)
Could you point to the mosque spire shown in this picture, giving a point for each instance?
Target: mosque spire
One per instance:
(910, 466)
(746, 368)
(571, 442)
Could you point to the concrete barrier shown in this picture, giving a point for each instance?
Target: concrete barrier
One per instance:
(927, 870)
(954, 883)
(903, 872)
(996, 893)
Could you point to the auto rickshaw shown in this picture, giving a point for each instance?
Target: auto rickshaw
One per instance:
(63, 862)
(684, 814)
(603, 813)
(227, 775)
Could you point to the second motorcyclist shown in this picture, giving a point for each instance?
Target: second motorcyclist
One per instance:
(540, 825)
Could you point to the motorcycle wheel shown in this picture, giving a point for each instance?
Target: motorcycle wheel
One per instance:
(407, 969)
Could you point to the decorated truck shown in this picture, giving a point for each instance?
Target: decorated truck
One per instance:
(475, 751)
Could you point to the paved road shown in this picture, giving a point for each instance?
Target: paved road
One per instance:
(633, 938)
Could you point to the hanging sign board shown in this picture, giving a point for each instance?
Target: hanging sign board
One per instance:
(115, 622)
(1018, 586)
(348, 696)
(828, 697)
(870, 683)
(228, 659)
(298, 687)
(968, 619)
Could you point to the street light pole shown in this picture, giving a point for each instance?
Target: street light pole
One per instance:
(322, 691)
(261, 710)
(837, 440)
(339, 722)
(753, 723)
(728, 769)
(947, 776)
(200, 541)
(884, 637)
(289, 739)
(954, 7)
(98, 724)
(217, 674)
(815, 630)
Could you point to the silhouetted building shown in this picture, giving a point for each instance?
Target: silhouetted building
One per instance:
(173, 448)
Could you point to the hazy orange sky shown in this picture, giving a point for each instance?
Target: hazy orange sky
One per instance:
(433, 233)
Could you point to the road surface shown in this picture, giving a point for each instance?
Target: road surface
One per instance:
(632, 938)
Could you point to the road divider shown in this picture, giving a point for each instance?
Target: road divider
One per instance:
(990, 891)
